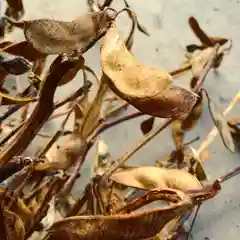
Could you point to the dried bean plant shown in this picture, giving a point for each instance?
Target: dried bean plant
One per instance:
(36, 191)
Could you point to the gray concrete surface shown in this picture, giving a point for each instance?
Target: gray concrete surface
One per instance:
(219, 218)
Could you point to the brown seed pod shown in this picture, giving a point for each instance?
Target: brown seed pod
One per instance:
(146, 88)
(57, 37)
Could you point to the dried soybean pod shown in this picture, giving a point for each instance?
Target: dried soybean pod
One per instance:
(57, 37)
(148, 89)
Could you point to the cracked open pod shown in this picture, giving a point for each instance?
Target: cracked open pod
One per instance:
(148, 89)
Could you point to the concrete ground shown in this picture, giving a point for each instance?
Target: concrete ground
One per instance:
(219, 218)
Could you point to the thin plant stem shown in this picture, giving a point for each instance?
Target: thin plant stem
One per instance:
(230, 174)
(140, 144)
(193, 221)
(104, 126)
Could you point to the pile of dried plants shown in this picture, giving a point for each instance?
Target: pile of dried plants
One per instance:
(35, 193)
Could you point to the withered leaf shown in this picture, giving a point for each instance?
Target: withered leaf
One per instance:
(123, 226)
(57, 37)
(148, 177)
(15, 65)
(202, 36)
(9, 100)
(148, 89)
(23, 49)
(221, 124)
(147, 125)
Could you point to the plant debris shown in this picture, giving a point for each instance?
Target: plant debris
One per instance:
(36, 197)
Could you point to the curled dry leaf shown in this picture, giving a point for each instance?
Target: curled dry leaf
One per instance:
(147, 125)
(133, 17)
(23, 49)
(202, 36)
(221, 124)
(147, 88)
(16, 65)
(206, 40)
(57, 37)
(10, 100)
(147, 177)
(132, 226)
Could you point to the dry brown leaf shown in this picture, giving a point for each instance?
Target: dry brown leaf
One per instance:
(148, 177)
(206, 40)
(202, 36)
(132, 226)
(57, 37)
(221, 124)
(23, 49)
(147, 125)
(147, 88)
